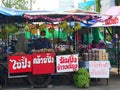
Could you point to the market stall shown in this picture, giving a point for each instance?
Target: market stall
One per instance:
(38, 65)
(62, 62)
(110, 20)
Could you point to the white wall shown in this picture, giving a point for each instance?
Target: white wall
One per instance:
(106, 4)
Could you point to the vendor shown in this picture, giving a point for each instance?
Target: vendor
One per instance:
(21, 46)
(93, 45)
(42, 42)
(101, 45)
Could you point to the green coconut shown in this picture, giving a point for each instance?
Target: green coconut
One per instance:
(81, 78)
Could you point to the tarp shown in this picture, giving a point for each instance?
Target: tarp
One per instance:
(17, 12)
(97, 35)
(14, 15)
(11, 12)
(6, 13)
(61, 15)
(36, 14)
(110, 18)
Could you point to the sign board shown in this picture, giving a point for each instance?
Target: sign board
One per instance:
(67, 63)
(20, 63)
(99, 69)
(108, 21)
(43, 63)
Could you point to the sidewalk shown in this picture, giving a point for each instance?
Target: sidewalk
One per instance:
(113, 81)
(113, 84)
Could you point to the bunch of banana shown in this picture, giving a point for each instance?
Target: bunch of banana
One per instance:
(51, 29)
(11, 28)
(42, 27)
(65, 31)
(68, 30)
(63, 25)
(71, 30)
(3, 35)
(77, 26)
(27, 27)
(31, 28)
(55, 40)
(34, 31)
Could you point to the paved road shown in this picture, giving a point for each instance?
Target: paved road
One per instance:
(114, 84)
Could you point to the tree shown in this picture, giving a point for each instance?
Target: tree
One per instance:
(98, 6)
(18, 4)
(117, 2)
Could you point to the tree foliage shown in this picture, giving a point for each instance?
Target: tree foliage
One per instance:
(97, 5)
(117, 2)
(18, 4)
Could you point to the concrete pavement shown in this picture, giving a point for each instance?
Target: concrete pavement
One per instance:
(113, 84)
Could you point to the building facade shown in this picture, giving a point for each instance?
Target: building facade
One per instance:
(106, 4)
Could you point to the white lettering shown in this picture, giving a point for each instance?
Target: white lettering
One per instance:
(39, 60)
(21, 64)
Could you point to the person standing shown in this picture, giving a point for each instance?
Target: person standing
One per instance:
(21, 46)
(101, 45)
(42, 42)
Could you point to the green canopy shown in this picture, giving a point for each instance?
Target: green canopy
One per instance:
(97, 35)
(62, 35)
(94, 35)
(27, 35)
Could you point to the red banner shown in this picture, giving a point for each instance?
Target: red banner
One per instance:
(43, 63)
(20, 64)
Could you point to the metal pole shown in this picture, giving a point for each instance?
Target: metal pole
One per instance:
(104, 34)
(118, 55)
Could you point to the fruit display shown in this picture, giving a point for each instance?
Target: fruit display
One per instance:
(42, 50)
(81, 78)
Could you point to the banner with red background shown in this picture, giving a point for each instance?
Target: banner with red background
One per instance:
(19, 63)
(43, 63)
